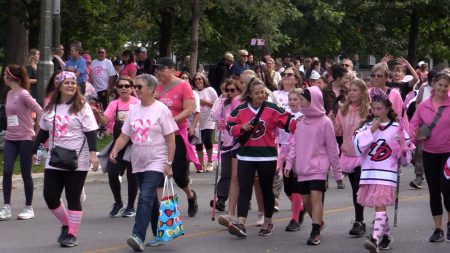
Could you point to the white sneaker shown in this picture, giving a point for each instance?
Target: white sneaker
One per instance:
(5, 213)
(26, 214)
(83, 196)
(260, 220)
(209, 167)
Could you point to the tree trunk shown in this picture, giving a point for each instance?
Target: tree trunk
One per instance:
(413, 37)
(167, 16)
(16, 49)
(34, 8)
(194, 36)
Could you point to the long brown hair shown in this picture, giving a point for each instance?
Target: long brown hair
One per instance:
(77, 101)
(298, 78)
(364, 107)
(247, 94)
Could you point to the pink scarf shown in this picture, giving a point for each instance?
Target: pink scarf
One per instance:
(190, 154)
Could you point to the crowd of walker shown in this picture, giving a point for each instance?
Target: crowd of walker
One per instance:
(280, 123)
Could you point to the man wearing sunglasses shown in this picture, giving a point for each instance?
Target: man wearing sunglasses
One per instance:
(240, 65)
(102, 76)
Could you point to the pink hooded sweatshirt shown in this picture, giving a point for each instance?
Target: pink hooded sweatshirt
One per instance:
(314, 147)
(439, 141)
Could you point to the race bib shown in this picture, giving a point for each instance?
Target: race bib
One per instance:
(13, 120)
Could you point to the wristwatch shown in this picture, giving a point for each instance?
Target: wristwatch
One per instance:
(169, 163)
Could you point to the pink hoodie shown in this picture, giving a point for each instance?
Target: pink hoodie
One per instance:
(314, 147)
(439, 141)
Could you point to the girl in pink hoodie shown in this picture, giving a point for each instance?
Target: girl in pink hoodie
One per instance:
(347, 121)
(313, 150)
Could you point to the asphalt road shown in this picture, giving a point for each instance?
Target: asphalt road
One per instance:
(99, 233)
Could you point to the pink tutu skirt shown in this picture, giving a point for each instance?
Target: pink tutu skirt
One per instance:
(373, 195)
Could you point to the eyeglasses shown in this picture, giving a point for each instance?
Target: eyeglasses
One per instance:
(138, 86)
(346, 65)
(230, 90)
(287, 74)
(377, 75)
(101, 52)
(126, 86)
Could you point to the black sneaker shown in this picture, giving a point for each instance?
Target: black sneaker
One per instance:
(266, 230)
(237, 230)
(416, 183)
(69, 241)
(371, 245)
(192, 205)
(448, 231)
(220, 205)
(358, 229)
(314, 238)
(63, 234)
(292, 226)
(129, 212)
(115, 211)
(385, 242)
(437, 236)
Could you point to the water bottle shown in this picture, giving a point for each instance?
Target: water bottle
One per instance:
(40, 154)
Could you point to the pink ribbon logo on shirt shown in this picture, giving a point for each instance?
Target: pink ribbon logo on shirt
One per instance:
(140, 130)
(61, 125)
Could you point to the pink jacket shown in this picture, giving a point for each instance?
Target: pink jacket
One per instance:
(346, 126)
(439, 141)
(314, 147)
(218, 115)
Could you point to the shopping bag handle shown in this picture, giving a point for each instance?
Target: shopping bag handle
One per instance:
(168, 182)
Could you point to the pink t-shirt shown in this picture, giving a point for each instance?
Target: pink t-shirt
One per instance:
(122, 110)
(174, 98)
(147, 127)
(19, 106)
(69, 132)
(129, 67)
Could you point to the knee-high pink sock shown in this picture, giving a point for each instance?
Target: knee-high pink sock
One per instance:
(378, 226)
(387, 229)
(74, 221)
(61, 214)
(297, 206)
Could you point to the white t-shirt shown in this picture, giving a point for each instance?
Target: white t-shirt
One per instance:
(100, 72)
(210, 95)
(69, 132)
(147, 128)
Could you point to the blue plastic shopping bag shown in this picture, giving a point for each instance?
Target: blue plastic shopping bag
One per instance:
(170, 225)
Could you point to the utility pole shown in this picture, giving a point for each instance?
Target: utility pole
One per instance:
(45, 66)
(56, 23)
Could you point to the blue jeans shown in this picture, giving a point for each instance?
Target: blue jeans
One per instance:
(148, 204)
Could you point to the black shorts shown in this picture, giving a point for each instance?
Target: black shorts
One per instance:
(306, 187)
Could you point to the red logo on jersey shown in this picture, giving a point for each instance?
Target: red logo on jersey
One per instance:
(380, 151)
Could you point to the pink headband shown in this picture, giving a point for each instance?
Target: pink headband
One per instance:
(64, 75)
(11, 74)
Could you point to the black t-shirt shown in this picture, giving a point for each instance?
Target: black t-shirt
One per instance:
(402, 87)
(145, 67)
(33, 74)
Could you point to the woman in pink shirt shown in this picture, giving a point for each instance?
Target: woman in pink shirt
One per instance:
(436, 149)
(151, 128)
(130, 68)
(69, 123)
(115, 115)
(19, 138)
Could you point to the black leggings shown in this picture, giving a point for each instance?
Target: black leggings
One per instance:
(103, 98)
(57, 180)
(433, 165)
(114, 171)
(11, 151)
(354, 182)
(246, 175)
(223, 186)
(180, 165)
(206, 140)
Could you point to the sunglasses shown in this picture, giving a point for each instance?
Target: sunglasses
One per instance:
(101, 52)
(138, 86)
(230, 90)
(161, 68)
(126, 86)
(346, 65)
(287, 74)
(377, 75)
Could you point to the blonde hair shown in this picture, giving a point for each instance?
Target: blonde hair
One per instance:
(381, 66)
(296, 91)
(365, 101)
(247, 94)
(32, 53)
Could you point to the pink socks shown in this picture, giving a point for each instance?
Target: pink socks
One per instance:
(61, 214)
(74, 221)
(297, 205)
(379, 225)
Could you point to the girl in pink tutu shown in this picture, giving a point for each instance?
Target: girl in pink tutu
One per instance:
(378, 143)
